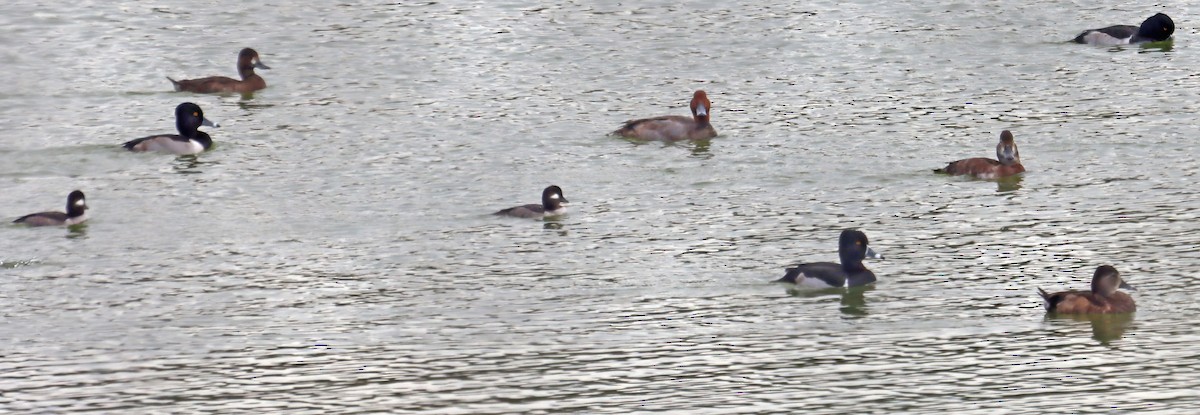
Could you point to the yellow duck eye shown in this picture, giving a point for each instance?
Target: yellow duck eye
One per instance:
(195, 114)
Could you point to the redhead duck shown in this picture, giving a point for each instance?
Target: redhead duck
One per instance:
(852, 249)
(1009, 162)
(247, 61)
(1102, 299)
(76, 213)
(1157, 28)
(188, 119)
(673, 127)
(552, 205)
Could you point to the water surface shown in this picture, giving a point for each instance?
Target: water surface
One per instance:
(335, 254)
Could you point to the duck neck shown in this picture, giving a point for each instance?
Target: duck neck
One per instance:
(862, 277)
(852, 261)
(246, 72)
(853, 266)
(74, 211)
(186, 130)
(202, 138)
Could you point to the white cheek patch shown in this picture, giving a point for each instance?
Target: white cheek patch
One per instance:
(79, 202)
(555, 196)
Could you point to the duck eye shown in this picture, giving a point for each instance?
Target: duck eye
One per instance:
(195, 114)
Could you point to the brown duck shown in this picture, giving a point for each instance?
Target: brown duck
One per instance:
(247, 61)
(1102, 299)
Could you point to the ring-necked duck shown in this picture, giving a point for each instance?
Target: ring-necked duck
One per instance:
(190, 140)
(1009, 162)
(247, 61)
(674, 127)
(552, 205)
(1103, 298)
(76, 213)
(852, 249)
(1157, 28)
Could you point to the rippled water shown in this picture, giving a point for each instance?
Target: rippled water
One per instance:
(335, 253)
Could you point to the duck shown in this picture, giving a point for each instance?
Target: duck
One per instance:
(1156, 28)
(1008, 163)
(552, 205)
(674, 127)
(190, 140)
(852, 249)
(76, 213)
(1102, 299)
(247, 60)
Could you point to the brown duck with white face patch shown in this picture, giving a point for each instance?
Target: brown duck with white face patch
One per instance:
(250, 82)
(1102, 299)
(1007, 163)
(674, 127)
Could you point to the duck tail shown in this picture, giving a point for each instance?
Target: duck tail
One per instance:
(131, 145)
(174, 83)
(789, 277)
(1050, 301)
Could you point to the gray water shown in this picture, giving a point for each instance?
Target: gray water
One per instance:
(335, 252)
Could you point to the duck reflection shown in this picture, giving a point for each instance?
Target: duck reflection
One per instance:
(189, 164)
(700, 149)
(1009, 184)
(1105, 327)
(77, 231)
(853, 300)
(1155, 47)
(854, 303)
(555, 226)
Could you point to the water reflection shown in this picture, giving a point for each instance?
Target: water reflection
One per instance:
(77, 231)
(1148, 47)
(248, 104)
(1105, 327)
(852, 301)
(1151, 47)
(700, 149)
(189, 164)
(550, 225)
(1009, 184)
